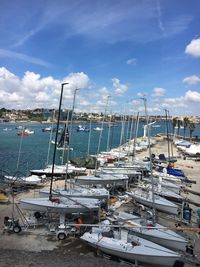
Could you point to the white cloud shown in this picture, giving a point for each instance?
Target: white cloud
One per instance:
(77, 80)
(193, 48)
(10, 97)
(119, 88)
(173, 102)
(183, 105)
(15, 55)
(104, 91)
(131, 61)
(141, 94)
(191, 80)
(192, 96)
(34, 91)
(42, 97)
(159, 91)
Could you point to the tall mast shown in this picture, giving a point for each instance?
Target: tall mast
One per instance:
(167, 128)
(150, 158)
(70, 130)
(100, 135)
(56, 138)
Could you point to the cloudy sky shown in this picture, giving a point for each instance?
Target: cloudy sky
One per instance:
(122, 48)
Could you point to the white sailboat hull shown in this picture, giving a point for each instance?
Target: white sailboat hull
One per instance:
(99, 193)
(66, 206)
(159, 234)
(146, 252)
(161, 204)
(103, 180)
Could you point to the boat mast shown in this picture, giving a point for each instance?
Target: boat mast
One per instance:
(100, 135)
(109, 129)
(150, 158)
(50, 137)
(70, 130)
(56, 138)
(135, 135)
(89, 137)
(167, 129)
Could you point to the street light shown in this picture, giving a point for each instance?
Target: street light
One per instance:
(56, 138)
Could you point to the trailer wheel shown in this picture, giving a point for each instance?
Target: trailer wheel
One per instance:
(61, 236)
(37, 215)
(17, 229)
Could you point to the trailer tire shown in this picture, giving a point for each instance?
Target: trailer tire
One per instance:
(37, 215)
(17, 229)
(61, 236)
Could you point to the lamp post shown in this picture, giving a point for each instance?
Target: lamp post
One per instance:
(56, 138)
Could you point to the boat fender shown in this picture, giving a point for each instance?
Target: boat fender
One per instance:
(37, 215)
(149, 225)
(164, 170)
(55, 200)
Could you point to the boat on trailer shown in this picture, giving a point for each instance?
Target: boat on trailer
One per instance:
(57, 204)
(99, 193)
(146, 198)
(144, 228)
(133, 249)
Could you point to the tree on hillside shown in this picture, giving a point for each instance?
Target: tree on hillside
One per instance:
(186, 122)
(179, 124)
(174, 123)
(192, 127)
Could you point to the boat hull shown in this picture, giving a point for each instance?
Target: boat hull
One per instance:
(145, 254)
(45, 205)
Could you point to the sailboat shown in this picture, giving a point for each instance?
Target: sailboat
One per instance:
(103, 179)
(97, 193)
(160, 203)
(163, 192)
(64, 140)
(59, 204)
(132, 248)
(143, 228)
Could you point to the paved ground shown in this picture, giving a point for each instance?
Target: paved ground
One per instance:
(35, 250)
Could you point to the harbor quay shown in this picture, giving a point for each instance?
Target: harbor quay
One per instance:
(35, 246)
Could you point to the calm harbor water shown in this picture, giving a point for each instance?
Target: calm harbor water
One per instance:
(34, 148)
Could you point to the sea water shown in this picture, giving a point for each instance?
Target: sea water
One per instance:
(21, 154)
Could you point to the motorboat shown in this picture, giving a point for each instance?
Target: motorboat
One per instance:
(25, 132)
(98, 129)
(81, 128)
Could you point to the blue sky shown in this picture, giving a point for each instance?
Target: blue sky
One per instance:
(124, 49)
